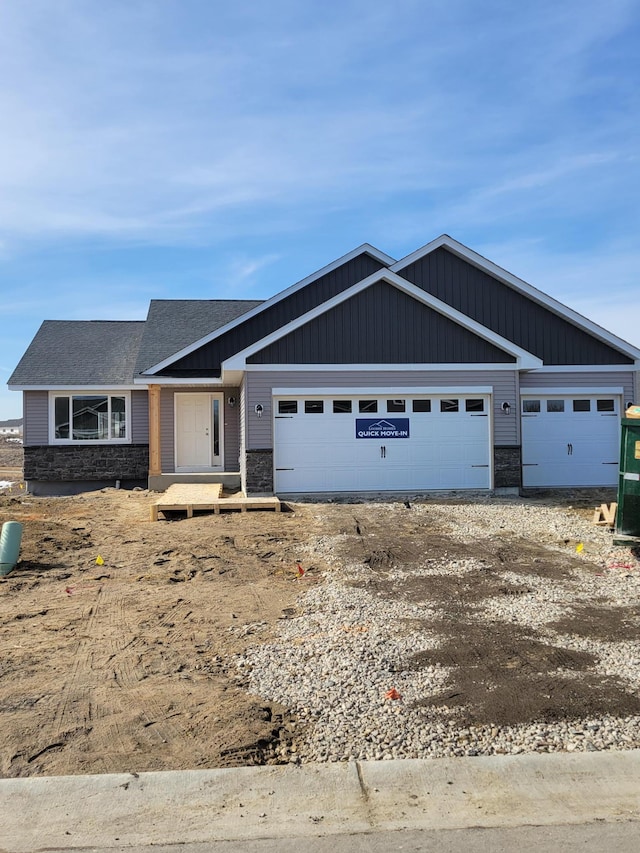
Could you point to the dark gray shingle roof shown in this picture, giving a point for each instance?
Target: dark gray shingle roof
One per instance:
(81, 352)
(173, 324)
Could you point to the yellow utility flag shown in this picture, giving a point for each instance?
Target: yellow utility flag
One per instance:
(99, 561)
(579, 547)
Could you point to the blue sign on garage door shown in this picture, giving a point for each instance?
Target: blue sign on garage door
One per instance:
(382, 428)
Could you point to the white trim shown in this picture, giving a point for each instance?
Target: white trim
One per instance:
(518, 284)
(387, 367)
(523, 358)
(167, 380)
(573, 392)
(77, 392)
(409, 390)
(115, 389)
(365, 248)
(587, 368)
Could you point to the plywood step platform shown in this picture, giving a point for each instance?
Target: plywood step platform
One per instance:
(207, 497)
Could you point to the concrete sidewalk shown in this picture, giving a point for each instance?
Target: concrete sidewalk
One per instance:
(197, 806)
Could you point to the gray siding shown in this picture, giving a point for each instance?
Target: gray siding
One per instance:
(507, 312)
(381, 325)
(36, 417)
(206, 360)
(139, 417)
(231, 426)
(35, 409)
(260, 385)
(529, 381)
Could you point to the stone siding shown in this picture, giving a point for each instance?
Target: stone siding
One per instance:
(259, 468)
(66, 463)
(507, 467)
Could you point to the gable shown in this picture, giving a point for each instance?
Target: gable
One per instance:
(207, 359)
(509, 313)
(381, 325)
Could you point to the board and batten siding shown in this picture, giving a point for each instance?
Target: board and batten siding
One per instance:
(597, 379)
(35, 410)
(259, 435)
(231, 416)
(510, 313)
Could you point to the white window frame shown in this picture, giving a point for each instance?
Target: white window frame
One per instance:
(93, 392)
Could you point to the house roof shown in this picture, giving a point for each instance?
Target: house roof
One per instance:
(80, 352)
(173, 324)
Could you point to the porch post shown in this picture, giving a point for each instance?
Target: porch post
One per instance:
(155, 466)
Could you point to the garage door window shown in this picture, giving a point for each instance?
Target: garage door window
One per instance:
(474, 405)
(530, 406)
(313, 407)
(606, 406)
(367, 406)
(449, 406)
(287, 407)
(396, 406)
(582, 405)
(422, 405)
(342, 407)
(555, 405)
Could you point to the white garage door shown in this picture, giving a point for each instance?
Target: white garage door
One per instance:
(570, 440)
(379, 442)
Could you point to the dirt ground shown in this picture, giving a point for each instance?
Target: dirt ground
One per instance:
(118, 634)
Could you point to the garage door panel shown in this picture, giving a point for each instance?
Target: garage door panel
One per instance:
(577, 446)
(321, 451)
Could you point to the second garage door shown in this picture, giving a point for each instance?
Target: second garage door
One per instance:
(570, 439)
(381, 442)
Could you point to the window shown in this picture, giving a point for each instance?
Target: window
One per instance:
(555, 405)
(449, 405)
(529, 406)
(422, 405)
(90, 417)
(367, 406)
(313, 407)
(474, 405)
(606, 406)
(582, 405)
(342, 407)
(396, 406)
(287, 407)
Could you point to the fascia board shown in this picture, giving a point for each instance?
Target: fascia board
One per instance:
(587, 368)
(174, 380)
(364, 248)
(524, 359)
(519, 284)
(111, 387)
(388, 367)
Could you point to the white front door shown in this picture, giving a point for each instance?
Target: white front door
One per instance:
(198, 431)
(570, 439)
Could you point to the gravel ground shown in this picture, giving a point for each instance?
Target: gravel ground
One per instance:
(352, 641)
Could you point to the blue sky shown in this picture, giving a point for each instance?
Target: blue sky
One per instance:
(201, 149)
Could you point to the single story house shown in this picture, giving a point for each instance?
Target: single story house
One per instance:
(437, 371)
(11, 428)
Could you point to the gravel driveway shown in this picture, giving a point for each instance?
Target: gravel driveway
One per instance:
(457, 628)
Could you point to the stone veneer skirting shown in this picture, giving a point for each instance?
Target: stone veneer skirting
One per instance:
(67, 463)
(507, 467)
(259, 471)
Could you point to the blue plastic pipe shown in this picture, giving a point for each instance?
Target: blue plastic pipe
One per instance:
(10, 540)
